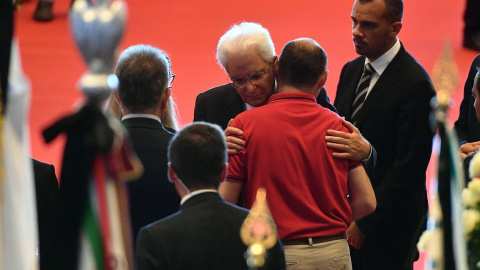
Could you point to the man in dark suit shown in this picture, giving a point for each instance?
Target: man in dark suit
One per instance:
(48, 196)
(205, 233)
(143, 90)
(222, 103)
(394, 118)
(467, 125)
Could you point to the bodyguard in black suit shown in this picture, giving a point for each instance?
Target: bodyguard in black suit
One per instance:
(467, 125)
(144, 88)
(394, 118)
(205, 233)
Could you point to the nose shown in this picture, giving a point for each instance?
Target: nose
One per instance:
(250, 87)
(356, 30)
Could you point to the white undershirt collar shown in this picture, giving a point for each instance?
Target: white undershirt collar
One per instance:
(382, 62)
(141, 115)
(196, 192)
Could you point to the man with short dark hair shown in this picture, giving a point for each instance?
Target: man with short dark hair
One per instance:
(312, 195)
(143, 90)
(386, 94)
(205, 233)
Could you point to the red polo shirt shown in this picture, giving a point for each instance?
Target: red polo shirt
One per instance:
(286, 153)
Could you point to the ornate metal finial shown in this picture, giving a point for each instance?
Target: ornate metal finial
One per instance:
(445, 75)
(97, 31)
(258, 231)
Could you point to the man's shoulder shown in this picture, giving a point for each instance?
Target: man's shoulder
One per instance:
(219, 92)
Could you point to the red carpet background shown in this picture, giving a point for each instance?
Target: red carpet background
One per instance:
(189, 31)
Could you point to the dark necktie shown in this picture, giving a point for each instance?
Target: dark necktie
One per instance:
(361, 92)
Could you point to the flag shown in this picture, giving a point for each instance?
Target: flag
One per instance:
(19, 238)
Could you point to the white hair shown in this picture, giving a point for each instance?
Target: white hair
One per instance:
(242, 37)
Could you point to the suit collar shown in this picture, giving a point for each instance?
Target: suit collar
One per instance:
(141, 115)
(232, 102)
(382, 86)
(194, 193)
(141, 122)
(382, 62)
(201, 198)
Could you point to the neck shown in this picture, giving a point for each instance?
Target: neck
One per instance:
(156, 112)
(291, 89)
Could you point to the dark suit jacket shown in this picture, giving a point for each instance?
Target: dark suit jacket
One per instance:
(48, 195)
(204, 234)
(152, 196)
(222, 103)
(467, 125)
(395, 120)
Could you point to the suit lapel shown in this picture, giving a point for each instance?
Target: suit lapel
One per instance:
(382, 86)
(350, 81)
(232, 104)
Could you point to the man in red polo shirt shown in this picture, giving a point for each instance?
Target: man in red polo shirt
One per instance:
(313, 197)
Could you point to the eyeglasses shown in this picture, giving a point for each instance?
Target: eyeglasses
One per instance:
(241, 83)
(170, 80)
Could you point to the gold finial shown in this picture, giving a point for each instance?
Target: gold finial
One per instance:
(258, 231)
(445, 75)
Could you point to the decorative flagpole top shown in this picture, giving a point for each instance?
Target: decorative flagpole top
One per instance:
(97, 30)
(258, 231)
(445, 75)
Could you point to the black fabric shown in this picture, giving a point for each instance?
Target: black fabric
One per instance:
(471, 17)
(152, 196)
(88, 134)
(204, 234)
(6, 24)
(48, 194)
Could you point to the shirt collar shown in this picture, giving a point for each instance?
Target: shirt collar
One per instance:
(290, 95)
(382, 62)
(141, 115)
(196, 192)
(248, 106)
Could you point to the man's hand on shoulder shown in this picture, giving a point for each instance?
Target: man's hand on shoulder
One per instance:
(467, 149)
(234, 144)
(350, 145)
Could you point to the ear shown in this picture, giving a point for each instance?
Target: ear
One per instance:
(172, 176)
(164, 100)
(117, 97)
(396, 27)
(275, 66)
(323, 79)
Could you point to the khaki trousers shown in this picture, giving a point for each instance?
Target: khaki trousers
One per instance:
(331, 255)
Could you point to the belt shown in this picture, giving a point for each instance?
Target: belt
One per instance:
(313, 240)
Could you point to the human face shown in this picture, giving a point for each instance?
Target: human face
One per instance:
(373, 34)
(246, 64)
(476, 94)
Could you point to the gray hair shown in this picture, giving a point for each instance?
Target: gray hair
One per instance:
(242, 37)
(143, 72)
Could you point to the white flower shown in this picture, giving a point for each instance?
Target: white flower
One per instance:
(470, 198)
(474, 185)
(474, 168)
(471, 219)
